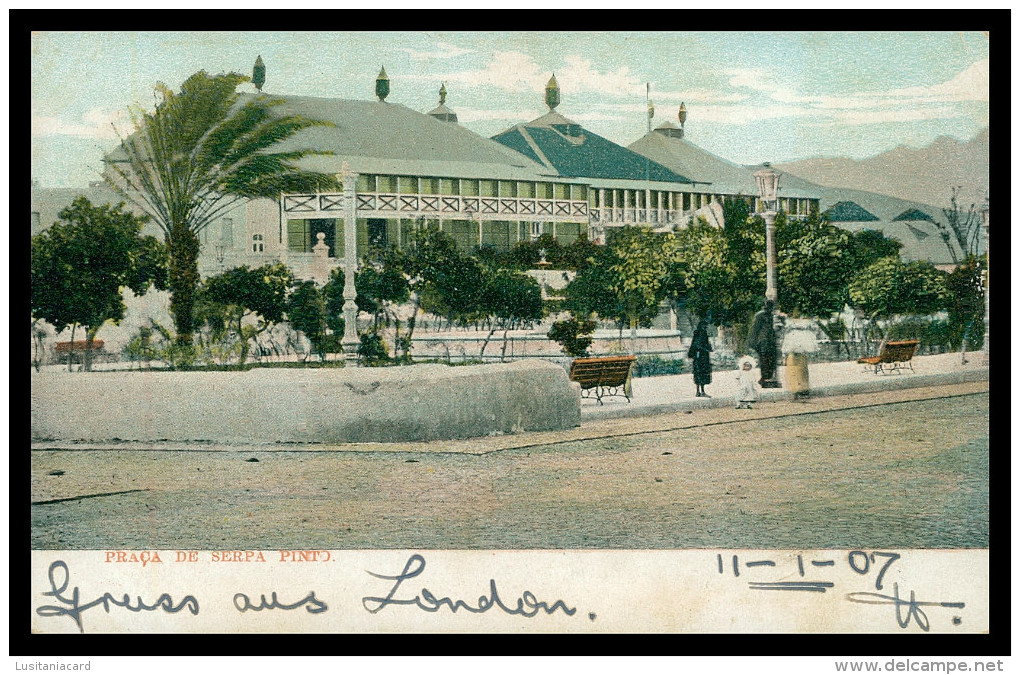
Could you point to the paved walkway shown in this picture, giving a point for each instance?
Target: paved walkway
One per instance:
(667, 393)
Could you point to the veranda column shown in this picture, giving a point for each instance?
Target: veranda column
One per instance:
(350, 342)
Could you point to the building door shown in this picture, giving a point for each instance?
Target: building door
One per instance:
(377, 233)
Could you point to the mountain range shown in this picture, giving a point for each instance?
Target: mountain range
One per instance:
(925, 175)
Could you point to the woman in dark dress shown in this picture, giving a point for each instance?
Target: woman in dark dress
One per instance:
(701, 362)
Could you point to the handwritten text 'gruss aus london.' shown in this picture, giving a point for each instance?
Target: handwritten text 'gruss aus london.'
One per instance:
(400, 590)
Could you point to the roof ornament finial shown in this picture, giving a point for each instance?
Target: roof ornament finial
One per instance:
(442, 94)
(382, 84)
(258, 73)
(682, 116)
(552, 93)
(651, 106)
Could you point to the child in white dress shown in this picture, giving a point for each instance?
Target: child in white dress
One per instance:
(747, 391)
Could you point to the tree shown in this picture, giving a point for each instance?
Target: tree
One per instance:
(81, 264)
(870, 246)
(574, 336)
(960, 229)
(639, 270)
(429, 254)
(195, 157)
(306, 311)
(891, 286)
(965, 286)
(258, 294)
(814, 270)
(511, 299)
(592, 291)
(456, 290)
(701, 276)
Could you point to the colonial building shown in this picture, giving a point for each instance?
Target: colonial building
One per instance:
(403, 169)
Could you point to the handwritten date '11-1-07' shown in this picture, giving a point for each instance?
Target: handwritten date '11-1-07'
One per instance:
(400, 591)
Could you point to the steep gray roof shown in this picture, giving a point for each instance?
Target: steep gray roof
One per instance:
(379, 137)
(723, 176)
(571, 150)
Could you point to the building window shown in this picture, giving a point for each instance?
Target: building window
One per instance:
(257, 243)
(388, 184)
(579, 192)
(526, 189)
(487, 188)
(408, 185)
(545, 191)
(536, 230)
(562, 191)
(450, 186)
(366, 182)
(507, 188)
(430, 186)
(301, 234)
(469, 187)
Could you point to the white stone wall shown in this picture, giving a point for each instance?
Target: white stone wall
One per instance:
(426, 402)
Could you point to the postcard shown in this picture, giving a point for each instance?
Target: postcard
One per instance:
(510, 332)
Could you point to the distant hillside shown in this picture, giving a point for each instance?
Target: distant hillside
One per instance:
(923, 175)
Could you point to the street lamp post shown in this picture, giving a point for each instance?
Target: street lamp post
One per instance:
(984, 226)
(350, 341)
(768, 185)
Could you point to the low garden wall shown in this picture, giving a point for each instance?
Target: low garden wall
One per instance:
(268, 405)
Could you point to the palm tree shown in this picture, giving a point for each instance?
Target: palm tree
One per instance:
(198, 154)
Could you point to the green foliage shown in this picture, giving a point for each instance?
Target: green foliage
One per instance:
(813, 271)
(650, 365)
(639, 270)
(573, 335)
(934, 334)
(890, 287)
(381, 283)
(306, 311)
(592, 291)
(511, 298)
(965, 286)
(870, 246)
(456, 290)
(80, 265)
(373, 350)
(230, 297)
(198, 154)
(525, 255)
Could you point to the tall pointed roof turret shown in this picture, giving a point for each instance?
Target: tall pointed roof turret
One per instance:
(552, 93)
(441, 112)
(382, 84)
(258, 73)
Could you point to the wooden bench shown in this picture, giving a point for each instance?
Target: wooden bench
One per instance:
(894, 357)
(605, 376)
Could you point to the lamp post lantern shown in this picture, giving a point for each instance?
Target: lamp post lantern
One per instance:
(768, 184)
(350, 341)
(984, 226)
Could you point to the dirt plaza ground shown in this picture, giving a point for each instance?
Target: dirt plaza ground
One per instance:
(897, 469)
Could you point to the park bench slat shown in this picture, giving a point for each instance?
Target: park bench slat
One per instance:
(895, 356)
(605, 376)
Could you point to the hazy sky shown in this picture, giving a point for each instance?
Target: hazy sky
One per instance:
(751, 97)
